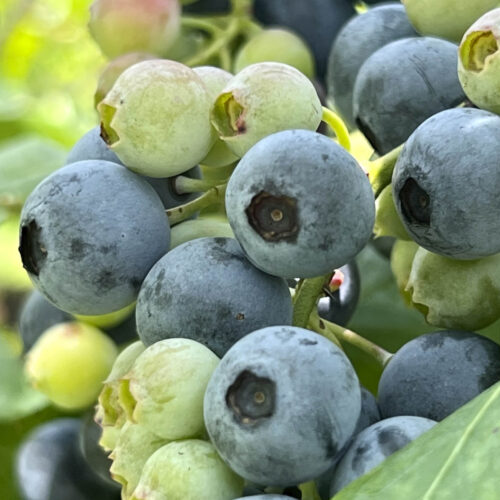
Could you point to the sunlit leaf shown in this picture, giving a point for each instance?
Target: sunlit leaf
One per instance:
(24, 162)
(456, 459)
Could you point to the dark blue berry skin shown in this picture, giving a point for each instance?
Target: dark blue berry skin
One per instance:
(90, 233)
(317, 21)
(374, 444)
(370, 414)
(50, 466)
(299, 205)
(446, 184)
(401, 85)
(38, 314)
(208, 291)
(92, 147)
(281, 404)
(437, 373)
(207, 6)
(125, 332)
(358, 39)
(339, 306)
(268, 496)
(94, 455)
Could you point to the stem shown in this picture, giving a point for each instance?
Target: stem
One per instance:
(316, 324)
(216, 45)
(306, 298)
(349, 337)
(334, 121)
(184, 185)
(380, 170)
(213, 196)
(204, 24)
(241, 7)
(225, 59)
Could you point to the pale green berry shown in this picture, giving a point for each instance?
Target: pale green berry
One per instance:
(215, 79)
(447, 19)
(278, 45)
(122, 26)
(479, 62)
(69, 362)
(134, 445)
(456, 294)
(402, 255)
(262, 99)
(114, 69)
(109, 414)
(387, 220)
(156, 118)
(107, 320)
(164, 390)
(187, 470)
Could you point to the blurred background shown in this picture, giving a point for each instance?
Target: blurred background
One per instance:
(48, 72)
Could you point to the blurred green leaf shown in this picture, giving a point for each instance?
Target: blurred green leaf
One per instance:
(24, 162)
(381, 315)
(12, 275)
(17, 398)
(456, 459)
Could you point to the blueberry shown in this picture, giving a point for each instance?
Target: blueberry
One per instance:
(370, 414)
(90, 232)
(95, 456)
(339, 306)
(373, 445)
(208, 291)
(49, 466)
(317, 21)
(37, 315)
(437, 373)
(401, 85)
(445, 184)
(281, 404)
(207, 6)
(92, 147)
(299, 205)
(359, 38)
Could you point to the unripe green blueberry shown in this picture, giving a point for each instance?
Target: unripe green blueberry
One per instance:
(456, 294)
(187, 470)
(262, 99)
(107, 320)
(122, 26)
(278, 45)
(402, 255)
(156, 118)
(387, 221)
(164, 390)
(447, 19)
(479, 62)
(69, 362)
(134, 445)
(109, 414)
(215, 79)
(114, 69)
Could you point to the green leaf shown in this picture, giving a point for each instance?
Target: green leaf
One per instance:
(17, 398)
(381, 315)
(12, 275)
(456, 459)
(24, 162)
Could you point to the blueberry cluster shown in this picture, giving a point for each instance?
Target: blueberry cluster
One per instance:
(195, 258)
